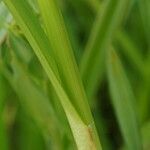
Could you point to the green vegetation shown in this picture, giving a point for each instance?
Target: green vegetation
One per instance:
(74, 74)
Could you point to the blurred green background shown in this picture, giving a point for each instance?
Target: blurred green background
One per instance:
(29, 115)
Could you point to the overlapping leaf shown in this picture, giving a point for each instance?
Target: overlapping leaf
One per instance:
(38, 40)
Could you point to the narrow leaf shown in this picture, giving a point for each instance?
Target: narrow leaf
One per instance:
(64, 57)
(92, 62)
(84, 133)
(123, 102)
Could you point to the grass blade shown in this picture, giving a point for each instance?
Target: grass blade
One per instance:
(93, 58)
(135, 58)
(63, 55)
(123, 102)
(82, 130)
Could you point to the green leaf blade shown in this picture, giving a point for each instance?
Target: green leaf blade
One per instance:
(64, 57)
(84, 130)
(123, 102)
(93, 59)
